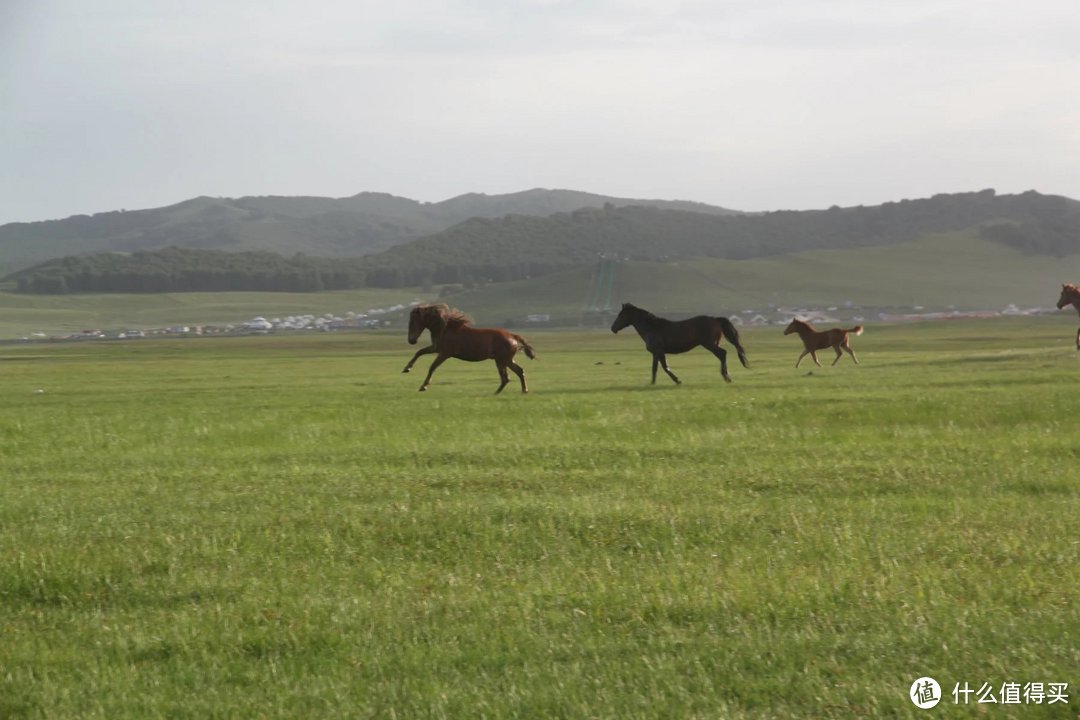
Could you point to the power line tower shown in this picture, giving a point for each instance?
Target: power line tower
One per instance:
(598, 306)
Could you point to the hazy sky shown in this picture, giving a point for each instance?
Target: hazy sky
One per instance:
(753, 105)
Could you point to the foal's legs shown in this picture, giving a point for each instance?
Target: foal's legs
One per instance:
(662, 360)
(422, 351)
(813, 356)
(851, 352)
(1078, 339)
(839, 353)
(431, 371)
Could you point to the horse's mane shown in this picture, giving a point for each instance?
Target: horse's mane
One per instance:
(802, 322)
(1072, 289)
(451, 317)
(642, 311)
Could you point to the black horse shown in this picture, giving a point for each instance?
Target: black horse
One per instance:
(664, 336)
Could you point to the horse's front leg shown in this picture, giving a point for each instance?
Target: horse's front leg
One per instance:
(1078, 339)
(655, 365)
(431, 371)
(663, 364)
(804, 354)
(422, 351)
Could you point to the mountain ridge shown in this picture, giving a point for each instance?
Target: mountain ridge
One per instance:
(482, 251)
(350, 226)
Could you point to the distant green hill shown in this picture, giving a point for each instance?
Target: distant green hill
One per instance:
(513, 247)
(961, 270)
(517, 247)
(332, 227)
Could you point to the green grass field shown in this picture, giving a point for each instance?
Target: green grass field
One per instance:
(283, 527)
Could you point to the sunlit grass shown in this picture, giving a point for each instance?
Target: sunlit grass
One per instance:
(284, 527)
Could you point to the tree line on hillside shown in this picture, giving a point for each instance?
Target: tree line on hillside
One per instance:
(516, 247)
(188, 270)
(318, 226)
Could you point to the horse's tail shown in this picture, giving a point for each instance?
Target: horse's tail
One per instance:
(857, 330)
(525, 346)
(733, 337)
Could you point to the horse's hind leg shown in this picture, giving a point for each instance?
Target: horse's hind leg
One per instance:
(851, 353)
(722, 354)
(663, 364)
(503, 376)
(520, 372)
(655, 365)
(1078, 339)
(839, 354)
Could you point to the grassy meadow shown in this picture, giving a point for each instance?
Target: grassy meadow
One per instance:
(283, 527)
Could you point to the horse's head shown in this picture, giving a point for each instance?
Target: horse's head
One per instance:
(1069, 293)
(793, 326)
(418, 322)
(625, 317)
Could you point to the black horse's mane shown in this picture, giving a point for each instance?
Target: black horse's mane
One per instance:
(642, 312)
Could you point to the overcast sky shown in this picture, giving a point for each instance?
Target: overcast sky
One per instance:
(753, 105)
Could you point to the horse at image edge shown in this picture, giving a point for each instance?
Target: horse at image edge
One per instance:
(1070, 295)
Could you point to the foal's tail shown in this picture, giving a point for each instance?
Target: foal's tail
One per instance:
(857, 330)
(525, 346)
(733, 337)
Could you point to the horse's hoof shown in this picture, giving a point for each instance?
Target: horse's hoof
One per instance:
(423, 389)
(405, 370)
(727, 379)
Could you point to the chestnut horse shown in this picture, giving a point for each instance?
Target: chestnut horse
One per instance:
(1070, 295)
(664, 336)
(814, 340)
(453, 337)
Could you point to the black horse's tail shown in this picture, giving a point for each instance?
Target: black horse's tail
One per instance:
(525, 346)
(733, 337)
